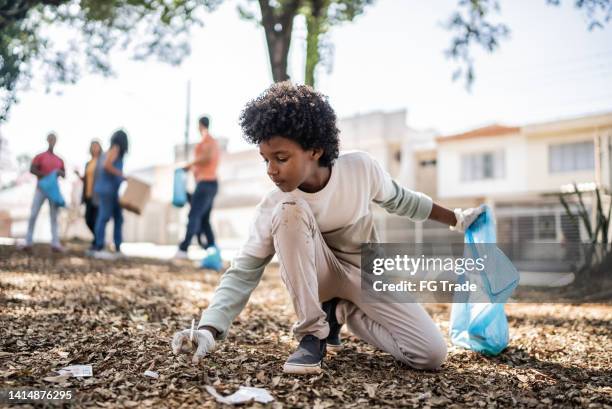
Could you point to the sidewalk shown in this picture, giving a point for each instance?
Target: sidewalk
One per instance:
(229, 249)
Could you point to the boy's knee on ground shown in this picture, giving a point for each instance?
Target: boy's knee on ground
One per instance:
(430, 356)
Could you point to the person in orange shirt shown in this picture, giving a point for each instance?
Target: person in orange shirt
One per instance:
(204, 168)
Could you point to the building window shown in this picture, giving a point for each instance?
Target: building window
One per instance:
(482, 166)
(569, 157)
(546, 227)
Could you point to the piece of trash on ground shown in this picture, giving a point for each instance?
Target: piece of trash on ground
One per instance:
(151, 374)
(77, 370)
(57, 379)
(243, 395)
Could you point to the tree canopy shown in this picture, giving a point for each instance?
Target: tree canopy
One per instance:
(160, 29)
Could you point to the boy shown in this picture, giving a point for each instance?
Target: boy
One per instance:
(43, 164)
(316, 220)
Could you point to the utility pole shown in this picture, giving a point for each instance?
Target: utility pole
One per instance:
(187, 121)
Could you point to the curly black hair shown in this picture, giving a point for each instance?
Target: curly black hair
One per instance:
(296, 112)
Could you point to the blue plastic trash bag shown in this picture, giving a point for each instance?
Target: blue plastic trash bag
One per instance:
(213, 260)
(50, 187)
(483, 327)
(179, 195)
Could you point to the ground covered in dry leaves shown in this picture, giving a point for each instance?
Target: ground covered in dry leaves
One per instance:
(119, 316)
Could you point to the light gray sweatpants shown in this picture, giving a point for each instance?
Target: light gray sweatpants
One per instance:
(37, 202)
(313, 274)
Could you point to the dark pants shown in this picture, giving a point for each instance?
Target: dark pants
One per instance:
(199, 215)
(91, 214)
(109, 207)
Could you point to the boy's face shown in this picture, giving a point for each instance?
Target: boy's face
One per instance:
(287, 163)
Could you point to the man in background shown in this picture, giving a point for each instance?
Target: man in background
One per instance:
(204, 167)
(42, 165)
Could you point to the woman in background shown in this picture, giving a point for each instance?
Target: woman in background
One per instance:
(109, 175)
(88, 179)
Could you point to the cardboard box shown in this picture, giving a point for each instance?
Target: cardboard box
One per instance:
(135, 196)
(5, 223)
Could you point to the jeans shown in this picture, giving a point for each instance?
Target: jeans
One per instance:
(37, 202)
(108, 207)
(199, 214)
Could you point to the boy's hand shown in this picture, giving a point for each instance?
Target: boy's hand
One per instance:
(466, 217)
(203, 343)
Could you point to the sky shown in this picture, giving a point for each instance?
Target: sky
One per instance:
(390, 58)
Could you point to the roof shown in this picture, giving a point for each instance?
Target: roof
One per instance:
(484, 132)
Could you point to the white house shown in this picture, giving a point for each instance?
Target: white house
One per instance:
(519, 171)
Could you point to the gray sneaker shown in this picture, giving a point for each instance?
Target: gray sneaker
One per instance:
(307, 357)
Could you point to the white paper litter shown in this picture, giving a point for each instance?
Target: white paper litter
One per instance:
(77, 370)
(151, 374)
(57, 379)
(243, 395)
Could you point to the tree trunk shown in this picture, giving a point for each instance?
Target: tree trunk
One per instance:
(278, 25)
(315, 26)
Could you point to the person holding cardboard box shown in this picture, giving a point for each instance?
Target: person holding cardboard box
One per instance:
(109, 175)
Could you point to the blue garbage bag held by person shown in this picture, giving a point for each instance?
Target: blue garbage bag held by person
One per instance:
(483, 327)
(50, 187)
(179, 195)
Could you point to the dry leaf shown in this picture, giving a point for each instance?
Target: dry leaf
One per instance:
(522, 378)
(370, 389)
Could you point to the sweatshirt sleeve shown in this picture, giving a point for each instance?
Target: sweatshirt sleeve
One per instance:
(233, 292)
(396, 199)
(404, 202)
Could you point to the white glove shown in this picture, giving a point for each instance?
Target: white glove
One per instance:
(203, 343)
(466, 217)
